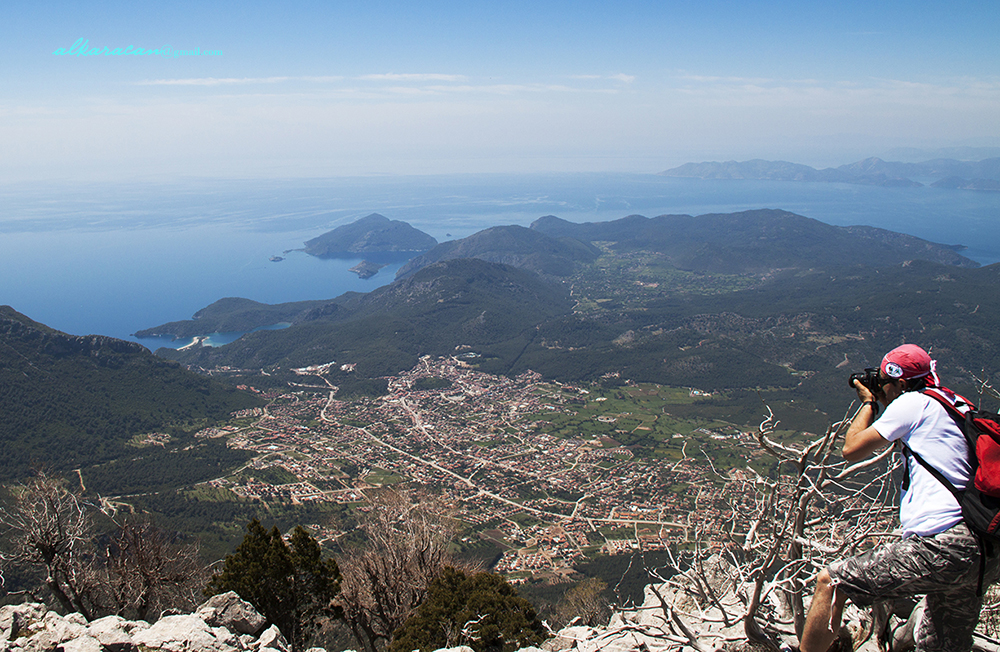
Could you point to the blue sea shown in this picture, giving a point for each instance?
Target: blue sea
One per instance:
(112, 259)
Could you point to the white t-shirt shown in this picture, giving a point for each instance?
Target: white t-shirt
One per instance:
(923, 424)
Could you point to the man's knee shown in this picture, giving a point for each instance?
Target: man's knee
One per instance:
(824, 581)
(826, 592)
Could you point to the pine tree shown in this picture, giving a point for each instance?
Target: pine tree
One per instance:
(291, 586)
(482, 611)
(314, 584)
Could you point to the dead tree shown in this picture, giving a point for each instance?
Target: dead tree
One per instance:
(139, 573)
(805, 508)
(144, 572)
(50, 529)
(386, 580)
(814, 508)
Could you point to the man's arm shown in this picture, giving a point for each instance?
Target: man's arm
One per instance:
(862, 439)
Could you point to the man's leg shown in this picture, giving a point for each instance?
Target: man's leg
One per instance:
(823, 620)
(945, 567)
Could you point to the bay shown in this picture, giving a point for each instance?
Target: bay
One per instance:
(112, 259)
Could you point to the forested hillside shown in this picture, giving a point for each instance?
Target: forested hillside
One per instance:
(451, 304)
(73, 401)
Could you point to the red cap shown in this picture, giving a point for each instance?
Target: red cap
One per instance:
(908, 361)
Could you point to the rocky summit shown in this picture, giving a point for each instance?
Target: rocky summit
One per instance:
(224, 623)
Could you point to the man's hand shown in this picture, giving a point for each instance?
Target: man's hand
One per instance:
(862, 439)
(865, 394)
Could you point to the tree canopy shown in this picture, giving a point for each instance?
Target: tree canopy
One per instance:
(291, 584)
(482, 611)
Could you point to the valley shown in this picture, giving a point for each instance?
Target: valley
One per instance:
(539, 475)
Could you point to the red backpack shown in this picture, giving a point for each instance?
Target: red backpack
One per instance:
(982, 431)
(980, 499)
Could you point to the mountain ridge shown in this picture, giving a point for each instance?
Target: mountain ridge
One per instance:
(755, 241)
(511, 245)
(448, 304)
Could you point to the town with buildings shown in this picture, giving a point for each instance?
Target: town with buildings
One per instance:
(531, 465)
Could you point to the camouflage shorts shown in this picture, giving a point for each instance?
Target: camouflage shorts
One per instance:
(944, 567)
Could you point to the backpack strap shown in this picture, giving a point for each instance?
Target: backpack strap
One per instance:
(962, 417)
(980, 540)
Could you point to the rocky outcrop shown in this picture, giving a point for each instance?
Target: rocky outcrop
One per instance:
(224, 623)
(229, 611)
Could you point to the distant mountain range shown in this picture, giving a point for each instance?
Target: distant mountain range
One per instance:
(754, 241)
(373, 233)
(759, 299)
(751, 242)
(70, 402)
(950, 173)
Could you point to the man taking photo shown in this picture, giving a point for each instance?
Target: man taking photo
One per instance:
(937, 555)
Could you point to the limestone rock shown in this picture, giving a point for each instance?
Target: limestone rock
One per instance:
(568, 638)
(558, 644)
(181, 634)
(115, 633)
(76, 619)
(226, 636)
(49, 633)
(232, 612)
(16, 617)
(272, 638)
(83, 644)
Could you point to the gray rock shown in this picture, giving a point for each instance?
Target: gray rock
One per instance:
(180, 634)
(568, 638)
(76, 619)
(226, 636)
(16, 617)
(272, 638)
(82, 644)
(49, 633)
(115, 633)
(232, 612)
(558, 644)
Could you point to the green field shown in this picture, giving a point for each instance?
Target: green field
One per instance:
(640, 417)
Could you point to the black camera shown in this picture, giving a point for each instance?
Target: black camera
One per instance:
(869, 379)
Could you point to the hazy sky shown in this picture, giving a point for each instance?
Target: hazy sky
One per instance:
(370, 87)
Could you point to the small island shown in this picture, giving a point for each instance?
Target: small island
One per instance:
(372, 234)
(366, 269)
